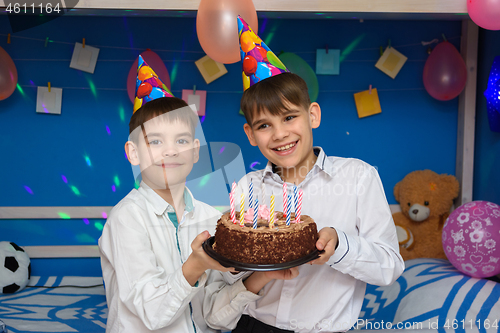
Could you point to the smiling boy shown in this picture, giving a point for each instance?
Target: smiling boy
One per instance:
(152, 259)
(344, 196)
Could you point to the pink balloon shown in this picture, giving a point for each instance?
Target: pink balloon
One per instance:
(471, 238)
(8, 75)
(154, 61)
(485, 13)
(445, 73)
(217, 27)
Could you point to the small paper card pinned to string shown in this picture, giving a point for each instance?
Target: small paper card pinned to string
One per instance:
(84, 58)
(210, 69)
(367, 103)
(391, 62)
(198, 98)
(48, 100)
(327, 62)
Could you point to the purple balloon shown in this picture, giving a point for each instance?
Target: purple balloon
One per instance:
(445, 73)
(471, 239)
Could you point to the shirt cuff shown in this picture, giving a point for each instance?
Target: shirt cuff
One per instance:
(183, 286)
(342, 250)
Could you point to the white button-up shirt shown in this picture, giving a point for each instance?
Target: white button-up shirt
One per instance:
(142, 252)
(343, 193)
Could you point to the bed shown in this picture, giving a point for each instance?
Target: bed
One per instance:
(430, 296)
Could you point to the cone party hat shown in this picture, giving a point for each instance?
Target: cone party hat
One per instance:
(148, 86)
(259, 62)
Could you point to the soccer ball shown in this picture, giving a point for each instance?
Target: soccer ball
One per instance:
(15, 268)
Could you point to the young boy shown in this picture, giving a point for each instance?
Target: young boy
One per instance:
(344, 196)
(152, 260)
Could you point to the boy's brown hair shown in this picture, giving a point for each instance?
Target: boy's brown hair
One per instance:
(272, 93)
(159, 107)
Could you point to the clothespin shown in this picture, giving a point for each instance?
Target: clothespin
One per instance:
(8, 39)
(83, 43)
(389, 46)
(194, 89)
(444, 38)
(48, 86)
(381, 51)
(326, 48)
(46, 41)
(370, 89)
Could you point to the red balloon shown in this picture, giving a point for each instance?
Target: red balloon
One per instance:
(154, 61)
(217, 27)
(485, 13)
(249, 65)
(8, 75)
(445, 73)
(144, 90)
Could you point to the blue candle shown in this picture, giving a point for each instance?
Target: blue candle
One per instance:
(288, 210)
(255, 212)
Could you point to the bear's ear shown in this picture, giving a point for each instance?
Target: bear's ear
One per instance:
(396, 191)
(449, 186)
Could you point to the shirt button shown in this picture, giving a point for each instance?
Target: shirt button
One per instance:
(288, 294)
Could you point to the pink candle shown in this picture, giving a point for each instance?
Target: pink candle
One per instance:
(231, 202)
(298, 210)
(285, 204)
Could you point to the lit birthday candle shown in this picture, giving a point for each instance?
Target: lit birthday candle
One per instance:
(285, 205)
(231, 202)
(255, 212)
(298, 210)
(295, 199)
(288, 210)
(271, 216)
(242, 210)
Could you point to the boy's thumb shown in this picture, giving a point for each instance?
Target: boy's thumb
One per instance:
(198, 241)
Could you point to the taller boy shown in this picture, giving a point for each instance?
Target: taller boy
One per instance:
(344, 196)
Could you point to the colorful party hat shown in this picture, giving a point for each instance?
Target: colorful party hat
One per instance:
(259, 62)
(148, 86)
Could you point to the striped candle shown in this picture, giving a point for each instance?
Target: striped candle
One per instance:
(263, 191)
(295, 199)
(231, 202)
(285, 205)
(255, 212)
(250, 196)
(288, 210)
(271, 214)
(242, 210)
(298, 209)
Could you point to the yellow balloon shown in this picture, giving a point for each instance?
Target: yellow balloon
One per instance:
(145, 73)
(246, 81)
(137, 104)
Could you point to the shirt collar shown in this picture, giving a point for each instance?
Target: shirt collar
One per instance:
(322, 164)
(160, 205)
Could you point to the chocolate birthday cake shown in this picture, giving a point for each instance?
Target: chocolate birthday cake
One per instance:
(265, 244)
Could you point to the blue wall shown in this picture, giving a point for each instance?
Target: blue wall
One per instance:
(414, 131)
(487, 144)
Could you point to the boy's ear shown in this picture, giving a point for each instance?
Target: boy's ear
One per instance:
(315, 114)
(131, 151)
(196, 150)
(249, 133)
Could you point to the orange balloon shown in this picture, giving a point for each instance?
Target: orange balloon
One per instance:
(8, 75)
(145, 73)
(247, 41)
(217, 27)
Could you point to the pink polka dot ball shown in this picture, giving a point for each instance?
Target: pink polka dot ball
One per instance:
(471, 239)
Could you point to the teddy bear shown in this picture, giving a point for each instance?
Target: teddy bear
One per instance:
(425, 198)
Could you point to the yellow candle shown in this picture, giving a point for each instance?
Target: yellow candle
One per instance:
(271, 218)
(242, 210)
